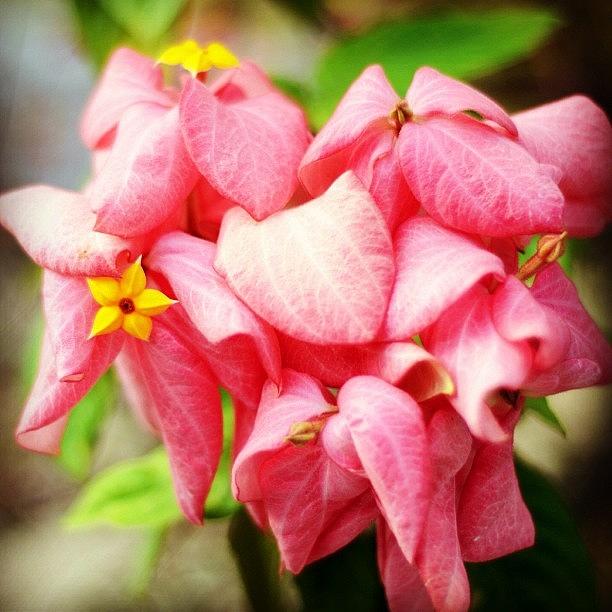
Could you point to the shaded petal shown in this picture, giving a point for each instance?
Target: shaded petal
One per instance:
(588, 357)
(439, 555)
(492, 517)
(435, 267)
(147, 175)
(518, 316)
(69, 311)
(298, 398)
(403, 364)
(244, 81)
(224, 321)
(307, 496)
(404, 588)
(129, 78)
(481, 362)
(50, 400)
(369, 99)
(469, 177)
(248, 151)
(321, 272)
(55, 228)
(432, 93)
(389, 435)
(574, 135)
(185, 402)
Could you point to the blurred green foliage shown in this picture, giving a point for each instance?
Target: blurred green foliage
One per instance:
(141, 24)
(465, 45)
(139, 492)
(540, 406)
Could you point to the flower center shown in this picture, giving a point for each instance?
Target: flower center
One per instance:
(399, 115)
(126, 305)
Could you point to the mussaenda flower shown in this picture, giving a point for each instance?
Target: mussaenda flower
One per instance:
(449, 145)
(239, 135)
(171, 357)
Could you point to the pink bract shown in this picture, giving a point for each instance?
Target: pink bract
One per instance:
(466, 173)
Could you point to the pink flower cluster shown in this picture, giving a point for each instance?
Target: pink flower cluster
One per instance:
(358, 294)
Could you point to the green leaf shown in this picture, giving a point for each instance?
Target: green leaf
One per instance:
(99, 33)
(295, 90)
(540, 406)
(465, 45)
(146, 21)
(137, 492)
(555, 574)
(84, 425)
(220, 501)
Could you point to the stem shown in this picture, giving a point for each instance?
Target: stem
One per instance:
(148, 559)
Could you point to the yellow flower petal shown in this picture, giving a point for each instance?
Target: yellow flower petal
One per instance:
(220, 56)
(173, 56)
(133, 281)
(197, 59)
(108, 319)
(138, 325)
(105, 290)
(152, 302)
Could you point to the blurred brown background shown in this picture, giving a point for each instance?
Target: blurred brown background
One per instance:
(46, 79)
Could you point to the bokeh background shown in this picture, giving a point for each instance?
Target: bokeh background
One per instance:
(50, 51)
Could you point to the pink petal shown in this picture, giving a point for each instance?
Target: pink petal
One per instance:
(50, 400)
(404, 588)
(369, 99)
(432, 93)
(389, 435)
(439, 555)
(304, 492)
(518, 316)
(321, 272)
(69, 312)
(248, 151)
(129, 78)
(470, 177)
(480, 361)
(492, 517)
(147, 175)
(184, 398)
(298, 398)
(187, 263)
(435, 267)
(245, 81)
(588, 357)
(55, 228)
(207, 208)
(574, 135)
(403, 364)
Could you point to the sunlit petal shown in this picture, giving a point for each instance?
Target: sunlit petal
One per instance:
(108, 319)
(138, 325)
(133, 280)
(152, 302)
(104, 289)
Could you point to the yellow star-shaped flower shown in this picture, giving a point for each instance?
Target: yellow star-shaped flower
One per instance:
(126, 303)
(198, 59)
